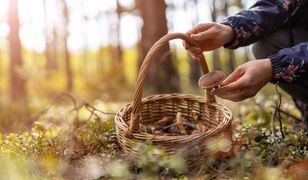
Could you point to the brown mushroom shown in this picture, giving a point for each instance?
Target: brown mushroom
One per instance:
(200, 128)
(173, 129)
(146, 129)
(179, 123)
(194, 116)
(211, 80)
(164, 122)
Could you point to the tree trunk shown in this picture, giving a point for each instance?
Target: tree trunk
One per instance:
(68, 68)
(239, 3)
(231, 61)
(55, 36)
(194, 73)
(49, 49)
(216, 60)
(119, 51)
(163, 76)
(215, 57)
(17, 82)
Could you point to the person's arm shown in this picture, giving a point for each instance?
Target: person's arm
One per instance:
(290, 64)
(246, 80)
(264, 17)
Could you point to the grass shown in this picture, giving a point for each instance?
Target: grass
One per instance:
(77, 140)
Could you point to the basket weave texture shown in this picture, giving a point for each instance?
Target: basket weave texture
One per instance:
(214, 116)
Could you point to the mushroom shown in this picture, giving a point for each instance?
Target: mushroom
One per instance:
(182, 126)
(211, 80)
(146, 129)
(179, 123)
(200, 128)
(173, 129)
(194, 116)
(162, 123)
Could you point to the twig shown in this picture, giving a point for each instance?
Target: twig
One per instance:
(284, 162)
(71, 98)
(46, 109)
(88, 107)
(95, 109)
(211, 167)
(270, 162)
(290, 115)
(72, 139)
(278, 105)
(273, 121)
(291, 118)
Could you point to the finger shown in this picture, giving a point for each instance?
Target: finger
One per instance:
(199, 28)
(238, 96)
(186, 45)
(195, 50)
(235, 75)
(231, 88)
(194, 55)
(202, 36)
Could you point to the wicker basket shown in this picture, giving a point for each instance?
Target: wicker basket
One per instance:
(149, 110)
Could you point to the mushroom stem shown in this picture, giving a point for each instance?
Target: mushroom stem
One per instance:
(179, 123)
(211, 81)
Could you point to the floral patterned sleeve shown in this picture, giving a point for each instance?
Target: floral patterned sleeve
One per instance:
(264, 17)
(290, 64)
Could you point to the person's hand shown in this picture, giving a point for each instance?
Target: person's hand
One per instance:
(246, 80)
(209, 36)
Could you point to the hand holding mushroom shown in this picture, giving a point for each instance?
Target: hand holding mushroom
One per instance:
(211, 80)
(246, 80)
(243, 83)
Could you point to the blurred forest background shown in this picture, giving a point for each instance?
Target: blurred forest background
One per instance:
(92, 49)
(65, 63)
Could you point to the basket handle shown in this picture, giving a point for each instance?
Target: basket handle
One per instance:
(136, 107)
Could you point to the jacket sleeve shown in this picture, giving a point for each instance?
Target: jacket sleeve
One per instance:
(264, 17)
(290, 64)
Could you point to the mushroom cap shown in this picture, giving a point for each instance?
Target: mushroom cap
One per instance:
(211, 79)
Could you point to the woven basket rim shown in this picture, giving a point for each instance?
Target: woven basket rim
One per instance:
(129, 117)
(219, 128)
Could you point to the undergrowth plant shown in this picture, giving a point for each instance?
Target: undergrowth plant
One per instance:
(79, 141)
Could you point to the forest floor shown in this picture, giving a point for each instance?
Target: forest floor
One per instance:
(71, 139)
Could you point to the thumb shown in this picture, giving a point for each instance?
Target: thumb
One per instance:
(200, 28)
(202, 35)
(235, 75)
